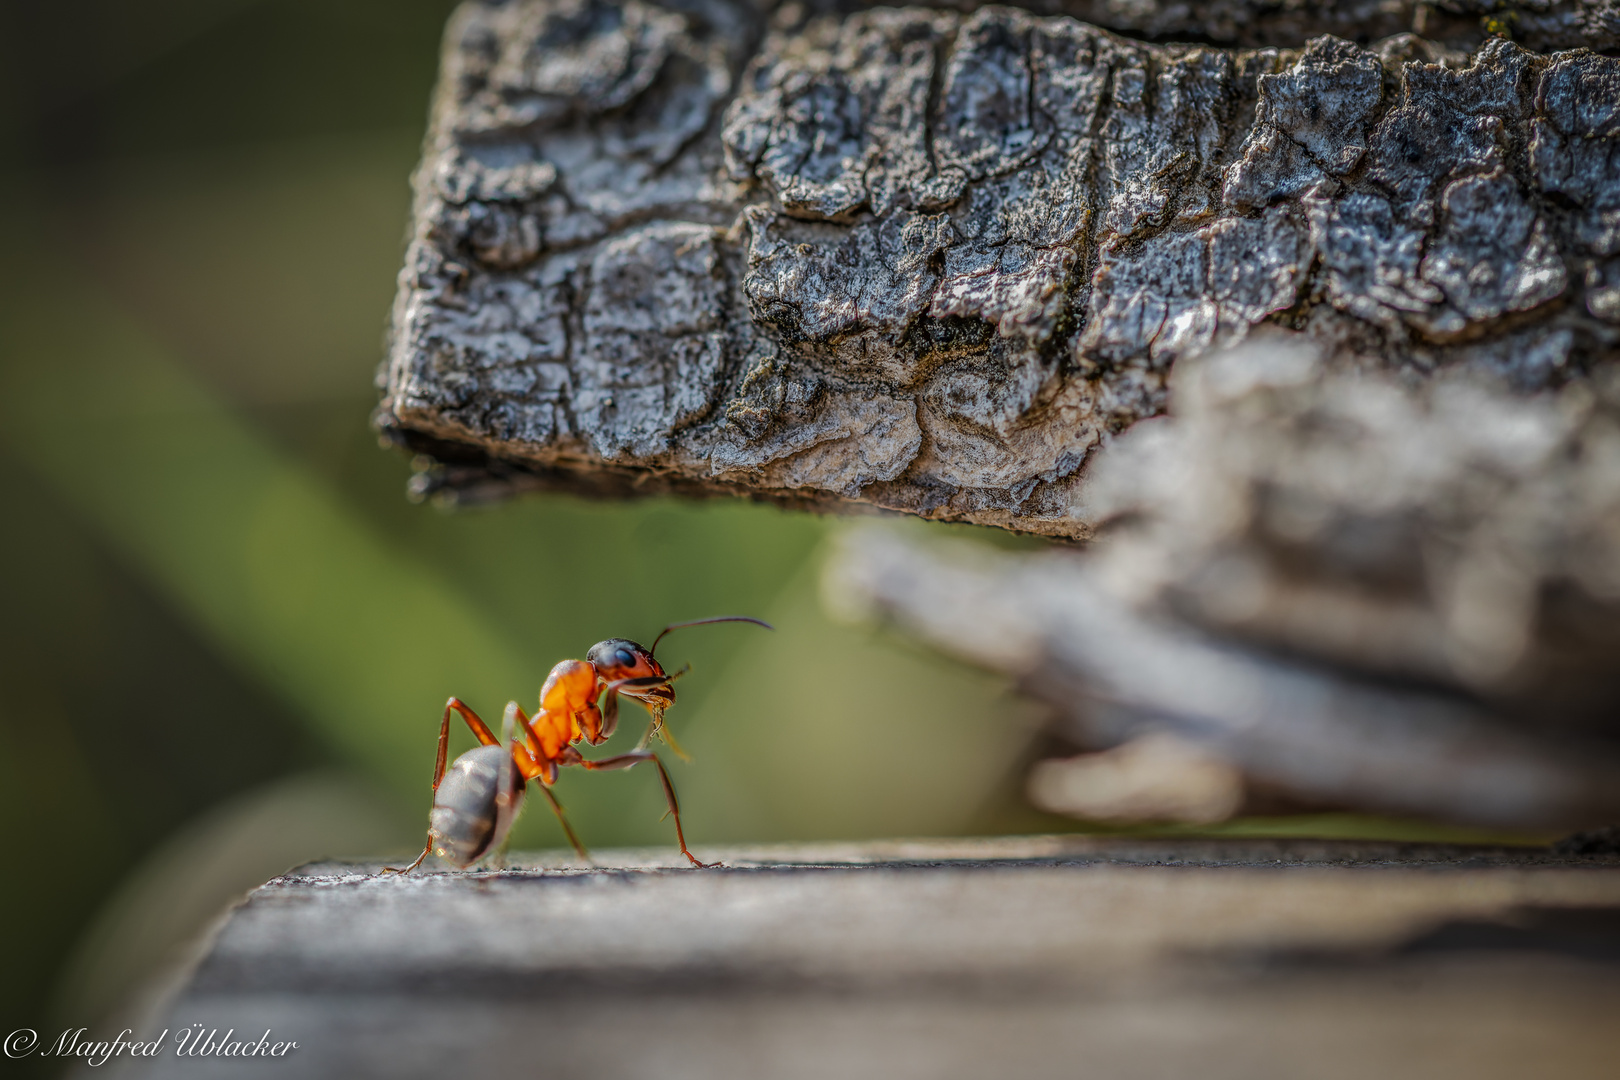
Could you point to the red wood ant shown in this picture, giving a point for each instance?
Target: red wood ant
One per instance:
(474, 807)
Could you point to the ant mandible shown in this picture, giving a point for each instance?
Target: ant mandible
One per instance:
(477, 803)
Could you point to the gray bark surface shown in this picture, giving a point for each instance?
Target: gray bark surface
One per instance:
(1038, 956)
(928, 259)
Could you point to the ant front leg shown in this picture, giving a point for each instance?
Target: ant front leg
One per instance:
(480, 731)
(656, 725)
(655, 706)
(636, 757)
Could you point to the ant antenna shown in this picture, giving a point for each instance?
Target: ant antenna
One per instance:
(706, 622)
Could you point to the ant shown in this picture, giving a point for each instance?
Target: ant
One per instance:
(476, 804)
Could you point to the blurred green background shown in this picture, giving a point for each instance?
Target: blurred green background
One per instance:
(227, 634)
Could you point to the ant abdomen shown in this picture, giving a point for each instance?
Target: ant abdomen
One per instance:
(466, 820)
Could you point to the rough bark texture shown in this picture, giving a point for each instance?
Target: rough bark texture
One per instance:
(1024, 956)
(926, 258)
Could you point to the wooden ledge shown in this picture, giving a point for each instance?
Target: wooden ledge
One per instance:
(1048, 956)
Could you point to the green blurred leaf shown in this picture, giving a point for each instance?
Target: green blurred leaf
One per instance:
(293, 587)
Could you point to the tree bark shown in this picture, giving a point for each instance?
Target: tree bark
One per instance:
(927, 259)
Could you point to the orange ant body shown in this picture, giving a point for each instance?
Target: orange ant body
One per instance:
(475, 806)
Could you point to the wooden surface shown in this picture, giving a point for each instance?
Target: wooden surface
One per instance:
(1025, 956)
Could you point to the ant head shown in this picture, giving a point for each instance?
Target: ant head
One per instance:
(618, 659)
(621, 658)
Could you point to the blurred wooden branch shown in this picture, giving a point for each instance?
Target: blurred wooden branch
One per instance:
(926, 258)
(1354, 592)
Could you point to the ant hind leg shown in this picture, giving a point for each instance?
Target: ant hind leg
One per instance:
(480, 731)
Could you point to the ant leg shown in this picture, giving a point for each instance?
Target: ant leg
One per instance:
(610, 702)
(438, 776)
(532, 765)
(562, 819)
(656, 726)
(661, 729)
(480, 731)
(544, 767)
(407, 869)
(636, 757)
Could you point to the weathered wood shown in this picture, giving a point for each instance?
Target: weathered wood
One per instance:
(938, 959)
(926, 259)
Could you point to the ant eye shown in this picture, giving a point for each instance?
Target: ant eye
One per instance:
(624, 658)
